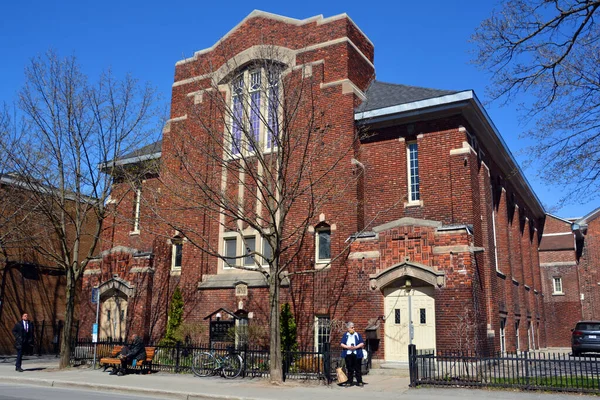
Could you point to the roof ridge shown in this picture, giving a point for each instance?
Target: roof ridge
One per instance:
(413, 86)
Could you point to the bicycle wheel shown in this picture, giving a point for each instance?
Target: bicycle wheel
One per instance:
(232, 366)
(204, 364)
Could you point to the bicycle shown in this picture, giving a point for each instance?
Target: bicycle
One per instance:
(209, 363)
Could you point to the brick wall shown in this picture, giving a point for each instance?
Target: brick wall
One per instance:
(457, 187)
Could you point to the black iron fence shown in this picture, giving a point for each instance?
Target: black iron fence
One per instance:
(179, 358)
(523, 370)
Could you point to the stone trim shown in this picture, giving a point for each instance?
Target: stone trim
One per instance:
(167, 127)
(457, 249)
(92, 272)
(141, 270)
(118, 249)
(559, 264)
(407, 268)
(229, 281)
(359, 255)
(407, 221)
(254, 53)
(347, 87)
(465, 149)
(118, 284)
(292, 21)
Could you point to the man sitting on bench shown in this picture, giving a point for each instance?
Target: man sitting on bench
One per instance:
(131, 355)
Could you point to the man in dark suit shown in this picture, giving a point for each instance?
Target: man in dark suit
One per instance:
(23, 332)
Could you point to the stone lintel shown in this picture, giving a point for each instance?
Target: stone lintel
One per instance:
(358, 255)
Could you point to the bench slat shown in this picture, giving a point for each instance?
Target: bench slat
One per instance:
(150, 353)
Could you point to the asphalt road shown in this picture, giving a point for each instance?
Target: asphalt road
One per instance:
(22, 392)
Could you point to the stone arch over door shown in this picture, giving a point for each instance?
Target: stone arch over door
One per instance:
(114, 301)
(409, 307)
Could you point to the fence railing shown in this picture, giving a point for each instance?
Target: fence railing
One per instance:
(178, 358)
(526, 370)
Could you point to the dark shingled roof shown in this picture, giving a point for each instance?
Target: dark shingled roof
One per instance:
(152, 148)
(383, 94)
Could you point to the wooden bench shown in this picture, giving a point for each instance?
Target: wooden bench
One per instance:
(115, 363)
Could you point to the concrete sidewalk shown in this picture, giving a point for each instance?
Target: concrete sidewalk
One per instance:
(44, 372)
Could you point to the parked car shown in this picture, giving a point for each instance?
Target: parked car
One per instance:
(585, 337)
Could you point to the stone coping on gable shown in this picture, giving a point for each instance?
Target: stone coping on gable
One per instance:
(229, 281)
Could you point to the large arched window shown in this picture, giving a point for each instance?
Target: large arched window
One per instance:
(255, 107)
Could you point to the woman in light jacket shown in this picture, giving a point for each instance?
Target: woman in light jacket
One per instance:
(353, 343)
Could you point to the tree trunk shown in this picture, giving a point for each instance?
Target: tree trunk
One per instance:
(66, 339)
(275, 365)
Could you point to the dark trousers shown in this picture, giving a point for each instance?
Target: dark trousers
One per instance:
(354, 368)
(19, 358)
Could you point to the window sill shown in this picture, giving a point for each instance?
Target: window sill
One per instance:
(175, 272)
(558, 294)
(408, 204)
(324, 264)
(134, 233)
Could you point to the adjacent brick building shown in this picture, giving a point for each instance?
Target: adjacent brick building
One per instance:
(436, 226)
(569, 259)
(29, 282)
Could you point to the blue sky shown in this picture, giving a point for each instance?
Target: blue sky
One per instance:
(416, 43)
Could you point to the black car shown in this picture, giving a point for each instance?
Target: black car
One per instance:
(585, 337)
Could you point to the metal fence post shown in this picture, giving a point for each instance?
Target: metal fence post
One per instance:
(245, 363)
(327, 361)
(526, 369)
(284, 364)
(412, 365)
(177, 352)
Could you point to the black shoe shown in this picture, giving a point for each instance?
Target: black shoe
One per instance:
(19, 369)
(113, 372)
(120, 373)
(360, 384)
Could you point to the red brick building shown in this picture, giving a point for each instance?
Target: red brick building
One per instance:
(569, 260)
(437, 228)
(29, 282)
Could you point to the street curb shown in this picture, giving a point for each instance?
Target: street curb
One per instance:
(119, 389)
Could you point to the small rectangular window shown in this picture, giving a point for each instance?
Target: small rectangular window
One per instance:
(557, 283)
(397, 316)
(412, 152)
(323, 245)
(177, 250)
(267, 251)
(136, 209)
(322, 331)
(250, 242)
(503, 335)
(517, 322)
(230, 249)
(423, 316)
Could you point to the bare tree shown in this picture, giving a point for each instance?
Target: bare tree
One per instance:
(259, 158)
(72, 128)
(551, 50)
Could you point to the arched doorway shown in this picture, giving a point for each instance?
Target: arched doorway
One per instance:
(114, 300)
(409, 307)
(113, 317)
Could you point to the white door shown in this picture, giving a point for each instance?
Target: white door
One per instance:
(422, 316)
(113, 318)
